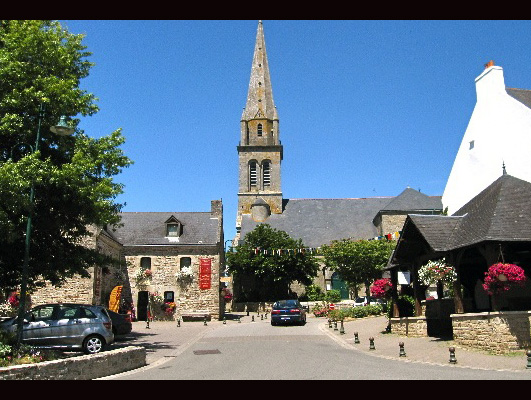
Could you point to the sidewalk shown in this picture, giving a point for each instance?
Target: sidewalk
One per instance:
(418, 349)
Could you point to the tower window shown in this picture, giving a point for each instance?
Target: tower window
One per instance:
(252, 174)
(259, 131)
(266, 171)
(471, 145)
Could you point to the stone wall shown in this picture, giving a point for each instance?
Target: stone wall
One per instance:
(95, 289)
(79, 368)
(410, 326)
(499, 332)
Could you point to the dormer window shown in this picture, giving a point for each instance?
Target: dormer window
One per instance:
(173, 227)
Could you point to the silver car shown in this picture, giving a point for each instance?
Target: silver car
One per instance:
(65, 326)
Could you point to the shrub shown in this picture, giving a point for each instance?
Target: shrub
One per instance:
(314, 293)
(333, 296)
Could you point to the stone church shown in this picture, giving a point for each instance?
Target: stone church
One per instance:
(316, 221)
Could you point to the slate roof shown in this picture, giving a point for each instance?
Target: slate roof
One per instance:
(320, 221)
(149, 228)
(501, 212)
(522, 95)
(413, 200)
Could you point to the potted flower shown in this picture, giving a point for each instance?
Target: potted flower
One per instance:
(438, 273)
(143, 276)
(500, 278)
(185, 275)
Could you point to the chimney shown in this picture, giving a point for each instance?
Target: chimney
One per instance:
(216, 209)
(490, 83)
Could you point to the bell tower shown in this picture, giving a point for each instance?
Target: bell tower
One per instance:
(259, 150)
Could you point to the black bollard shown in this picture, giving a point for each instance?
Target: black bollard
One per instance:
(342, 329)
(178, 322)
(205, 323)
(356, 338)
(224, 321)
(402, 352)
(371, 344)
(335, 325)
(239, 320)
(453, 360)
(262, 317)
(528, 354)
(252, 320)
(329, 323)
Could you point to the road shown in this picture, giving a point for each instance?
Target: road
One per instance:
(259, 351)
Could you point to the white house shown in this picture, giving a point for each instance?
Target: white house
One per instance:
(498, 138)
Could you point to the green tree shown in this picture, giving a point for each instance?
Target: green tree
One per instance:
(358, 262)
(41, 64)
(267, 274)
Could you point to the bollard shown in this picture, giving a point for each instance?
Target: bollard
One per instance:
(205, 323)
(224, 321)
(356, 338)
(342, 329)
(371, 344)
(335, 325)
(147, 324)
(329, 323)
(239, 320)
(265, 315)
(402, 352)
(528, 353)
(178, 322)
(252, 320)
(262, 317)
(453, 360)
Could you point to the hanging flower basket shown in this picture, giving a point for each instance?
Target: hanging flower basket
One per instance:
(437, 271)
(501, 277)
(143, 276)
(185, 275)
(381, 288)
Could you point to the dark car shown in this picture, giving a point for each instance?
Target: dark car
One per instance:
(65, 326)
(288, 311)
(121, 323)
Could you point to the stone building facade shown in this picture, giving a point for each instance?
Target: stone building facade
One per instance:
(165, 243)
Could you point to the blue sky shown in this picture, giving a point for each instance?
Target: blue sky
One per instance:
(366, 108)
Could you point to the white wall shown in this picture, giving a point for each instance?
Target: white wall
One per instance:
(500, 127)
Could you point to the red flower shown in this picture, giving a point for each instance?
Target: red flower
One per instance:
(501, 277)
(381, 288)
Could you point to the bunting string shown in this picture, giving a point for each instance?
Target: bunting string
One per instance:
(310, 250)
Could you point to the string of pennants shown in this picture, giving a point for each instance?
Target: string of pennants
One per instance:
(311, 250)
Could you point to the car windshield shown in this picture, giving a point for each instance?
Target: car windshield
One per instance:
(285, 304)
(360, 299)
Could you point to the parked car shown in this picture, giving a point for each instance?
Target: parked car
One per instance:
(362, 301)
(121, 323)
(288, 311)
(65, 326)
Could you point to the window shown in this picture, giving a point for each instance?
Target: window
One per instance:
(186, 262)
(168, 297)
(259, 131)
(266, 173)
(172, 230)
(471, 145)
(252, 174)
(145, 263)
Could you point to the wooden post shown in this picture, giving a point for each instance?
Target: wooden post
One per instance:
(417, 291)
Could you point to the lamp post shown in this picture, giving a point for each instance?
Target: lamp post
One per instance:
(61, 129)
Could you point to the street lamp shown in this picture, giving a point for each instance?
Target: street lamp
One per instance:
(60, 129)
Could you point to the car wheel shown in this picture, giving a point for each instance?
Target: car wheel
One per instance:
(93, 344)
(273, 323)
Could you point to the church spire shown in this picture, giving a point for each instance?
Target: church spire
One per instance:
(260, 95)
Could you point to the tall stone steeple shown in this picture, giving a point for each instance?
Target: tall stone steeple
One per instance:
(259, 150)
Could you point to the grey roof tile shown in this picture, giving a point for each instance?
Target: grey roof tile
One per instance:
(149, 228)
(522, 95)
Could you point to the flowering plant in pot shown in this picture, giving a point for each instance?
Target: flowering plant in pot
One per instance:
(437, 271)
(501, 277)
(381, 288)
(185, 274)
(143, 275)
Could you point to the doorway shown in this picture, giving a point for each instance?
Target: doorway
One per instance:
(142, 305)
(340, 285)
